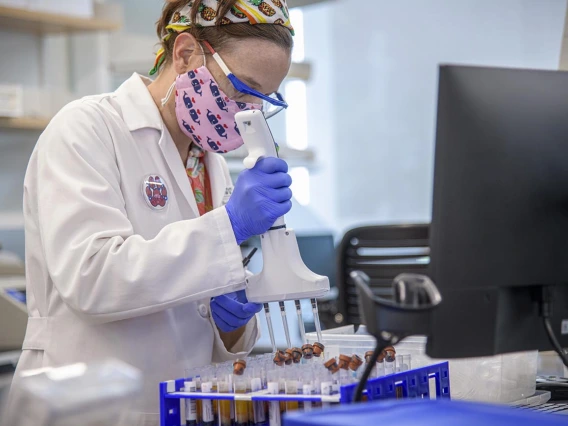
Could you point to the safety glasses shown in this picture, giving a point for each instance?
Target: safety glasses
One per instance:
(271, 104)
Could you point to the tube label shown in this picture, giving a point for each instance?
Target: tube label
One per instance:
(207, 404)
(190, 404)
(326, 388)
(308, 390)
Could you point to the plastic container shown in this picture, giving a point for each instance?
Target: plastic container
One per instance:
(419, 413)
(501, 378)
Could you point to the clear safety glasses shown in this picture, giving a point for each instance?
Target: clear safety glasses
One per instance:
(271, 104)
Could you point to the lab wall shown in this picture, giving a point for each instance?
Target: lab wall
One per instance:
(383, 80)
(21, 62)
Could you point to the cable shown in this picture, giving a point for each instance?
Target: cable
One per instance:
(372, 362)
(554, 341)
(546, 298)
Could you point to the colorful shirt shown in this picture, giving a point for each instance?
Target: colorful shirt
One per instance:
(199, 180)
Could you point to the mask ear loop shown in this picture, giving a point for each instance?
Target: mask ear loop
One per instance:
(169, 94)
(172, 87)
(203, 54)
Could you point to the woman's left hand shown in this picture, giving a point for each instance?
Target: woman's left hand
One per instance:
(232, 311)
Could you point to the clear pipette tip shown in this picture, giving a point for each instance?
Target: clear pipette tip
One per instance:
(301, 322)
(269, 324)
(316, 319)
(285, 322)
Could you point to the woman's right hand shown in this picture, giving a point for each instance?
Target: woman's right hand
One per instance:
(261, 195)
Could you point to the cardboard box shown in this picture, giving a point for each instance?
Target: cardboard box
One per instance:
(79, 8)
(11, 100)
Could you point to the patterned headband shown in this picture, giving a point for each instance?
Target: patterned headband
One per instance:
(244, 11)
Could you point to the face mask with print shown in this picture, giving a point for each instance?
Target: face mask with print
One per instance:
(205, 114)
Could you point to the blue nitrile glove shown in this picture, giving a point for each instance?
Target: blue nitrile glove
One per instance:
(232, 310)
(261, 195)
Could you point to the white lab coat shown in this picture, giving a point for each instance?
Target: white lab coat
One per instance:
(107, 274)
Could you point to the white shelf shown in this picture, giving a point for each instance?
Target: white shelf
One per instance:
(25, 20)
(24, 123)
(10, 221)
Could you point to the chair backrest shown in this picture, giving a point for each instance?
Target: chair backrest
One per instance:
(382, 252)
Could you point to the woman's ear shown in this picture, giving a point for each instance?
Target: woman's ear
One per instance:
(187, 53)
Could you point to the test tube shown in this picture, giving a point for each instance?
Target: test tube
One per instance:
(326, 386)
(250, 404)
(389, 355)
(199, 402)
(269, 324)
(316, 384)
(215, 389)
(407, 362)
(285, 322)
(390, 367)
(301, 322)
(380, 369)
(273, 387)
(207, 413)
(374, 371)
(241, 407)
(282, 388)
(291, 389)
(190, 404)
(223, 386)
(259, 410)
(316, 319)
(308, 387)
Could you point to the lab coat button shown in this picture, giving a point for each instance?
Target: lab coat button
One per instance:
(203, 311)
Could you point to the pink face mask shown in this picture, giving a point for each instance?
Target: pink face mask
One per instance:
(205, 114)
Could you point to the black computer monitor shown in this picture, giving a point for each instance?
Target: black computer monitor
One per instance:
(500, 210)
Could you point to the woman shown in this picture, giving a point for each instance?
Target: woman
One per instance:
(132, 223)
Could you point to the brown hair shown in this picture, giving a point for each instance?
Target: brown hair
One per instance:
(219, 35)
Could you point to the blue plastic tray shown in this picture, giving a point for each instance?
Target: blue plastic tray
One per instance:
(423, 413)
(408, 384)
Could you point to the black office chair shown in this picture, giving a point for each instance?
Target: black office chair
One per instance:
(381, 252)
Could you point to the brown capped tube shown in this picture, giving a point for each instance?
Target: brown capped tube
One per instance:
(318, 349)
(355, 362)
(344, 361)
(289, 356)
(368, 356)
(296, 355)
(389, 353)
(308, 351)
(239, 367)
(331, 365)
(279, 358)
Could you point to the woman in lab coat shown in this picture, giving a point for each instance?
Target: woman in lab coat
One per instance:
(132, 222)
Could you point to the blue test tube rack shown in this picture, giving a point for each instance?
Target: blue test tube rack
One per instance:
(415, 383)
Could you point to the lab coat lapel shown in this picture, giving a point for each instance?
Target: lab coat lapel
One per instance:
(177, 168)
(216, 178)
